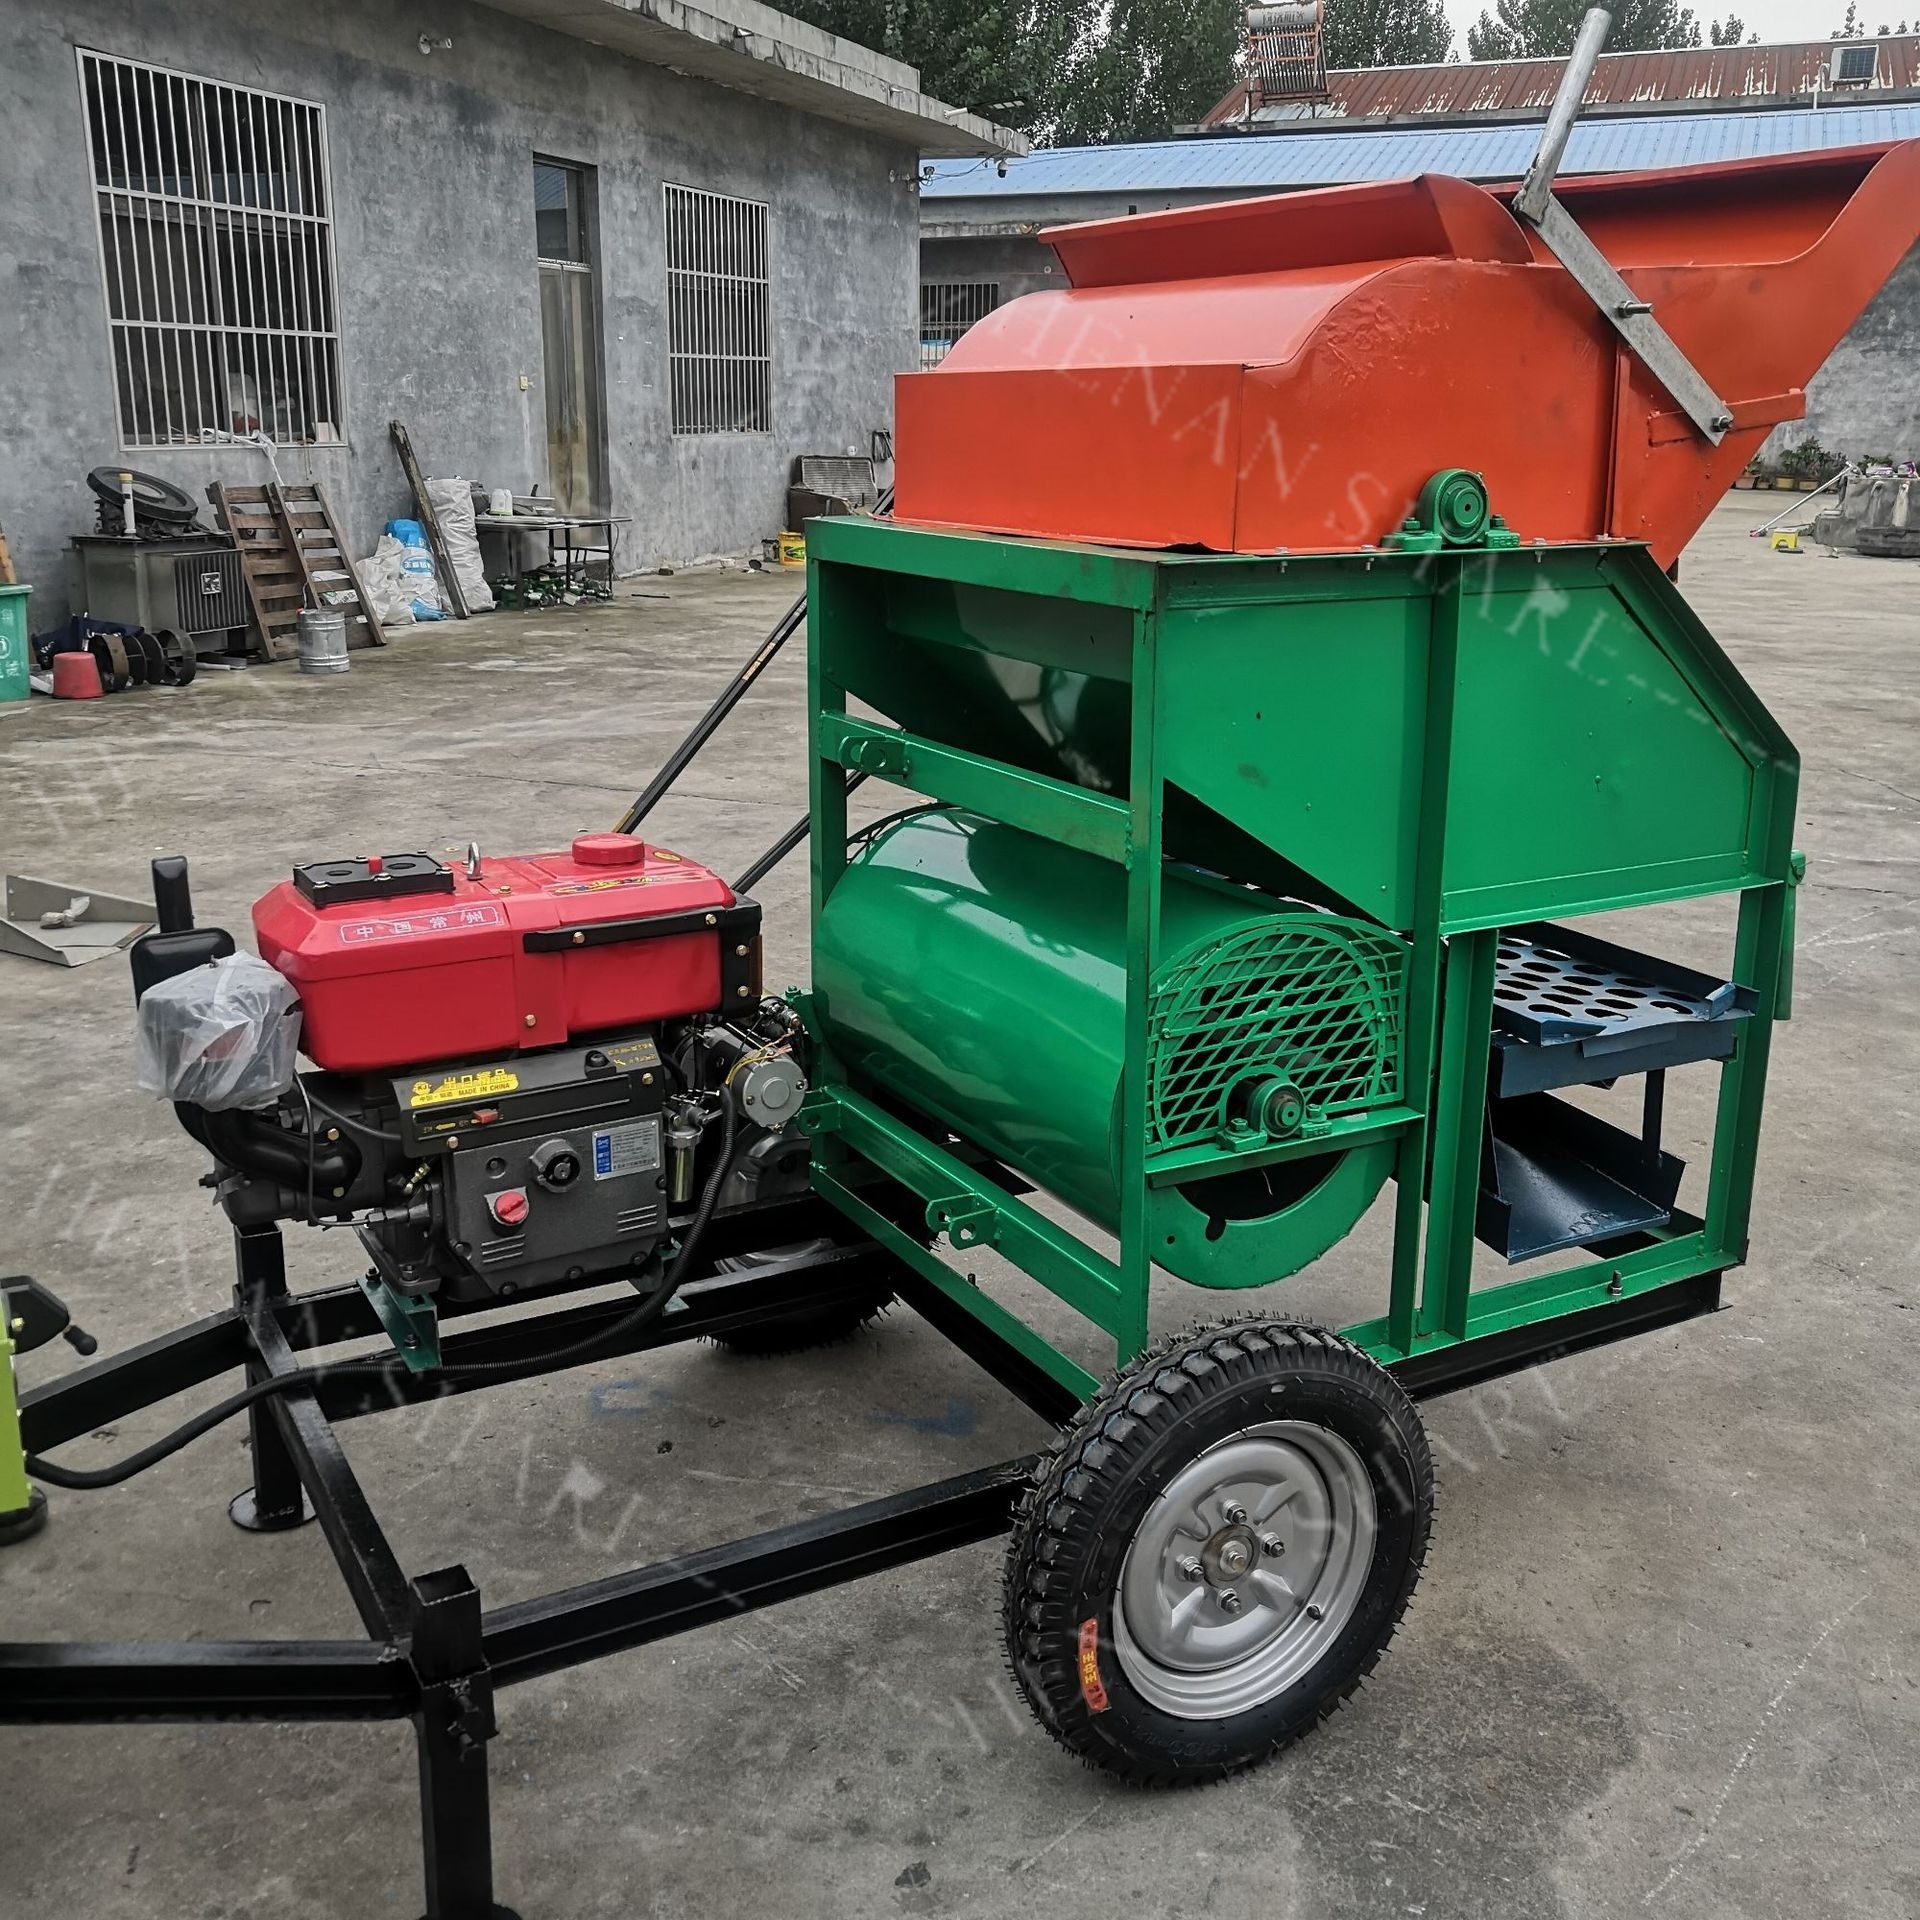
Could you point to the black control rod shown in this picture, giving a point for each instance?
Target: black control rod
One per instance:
(708, 724)
(730, 697)
(784, 846)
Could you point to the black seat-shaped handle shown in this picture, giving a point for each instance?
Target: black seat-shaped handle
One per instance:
(172, 899)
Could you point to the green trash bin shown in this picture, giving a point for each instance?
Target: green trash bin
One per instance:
(13, 643)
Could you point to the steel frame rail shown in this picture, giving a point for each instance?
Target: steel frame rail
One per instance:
(431, 1653)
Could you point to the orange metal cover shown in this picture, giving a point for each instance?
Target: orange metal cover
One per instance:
(1287, 372)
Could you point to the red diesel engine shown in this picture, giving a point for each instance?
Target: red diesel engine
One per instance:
(520, 1060)
(402, 960)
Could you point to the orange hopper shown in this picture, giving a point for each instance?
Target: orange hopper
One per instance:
(1286, 372)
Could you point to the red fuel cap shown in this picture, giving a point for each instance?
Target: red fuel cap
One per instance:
(609, 850)
(509, 1208)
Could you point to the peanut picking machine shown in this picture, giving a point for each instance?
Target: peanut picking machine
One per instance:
(1274, 645)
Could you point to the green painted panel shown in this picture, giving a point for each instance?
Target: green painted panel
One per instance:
(1039, 684)
(1058, 568)
(1301, 723)
(1052, 808)
(1216, 1249)
(980, 974)
(1443, 742)
(1580, 749)
(1065, 634)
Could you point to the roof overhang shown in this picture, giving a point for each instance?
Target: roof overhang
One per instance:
(756, 50)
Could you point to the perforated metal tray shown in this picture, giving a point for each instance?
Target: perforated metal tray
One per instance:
(1569, 1009)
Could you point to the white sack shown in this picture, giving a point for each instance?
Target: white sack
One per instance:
(453, 508)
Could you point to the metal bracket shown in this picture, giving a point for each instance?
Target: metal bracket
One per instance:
(412, 1321)
(1595, 275)
(965, 1218)
(873, 755)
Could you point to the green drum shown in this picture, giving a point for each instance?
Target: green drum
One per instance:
(979, 974)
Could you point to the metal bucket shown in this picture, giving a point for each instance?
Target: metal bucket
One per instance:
(323, 640)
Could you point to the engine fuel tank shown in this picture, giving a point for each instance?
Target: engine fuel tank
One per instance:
(979, 973)
(403, 960)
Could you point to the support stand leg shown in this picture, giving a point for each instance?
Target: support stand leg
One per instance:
(276, 1500)
(452, 1727)
(23, 1507)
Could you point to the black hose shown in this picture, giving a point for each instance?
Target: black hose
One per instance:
(861, 835)
(785, 844)
(86, 1480)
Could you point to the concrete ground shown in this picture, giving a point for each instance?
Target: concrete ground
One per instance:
(1665, 1657)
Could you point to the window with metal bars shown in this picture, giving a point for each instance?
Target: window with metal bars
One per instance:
(216, 256)
(947, 309)
(719, 319)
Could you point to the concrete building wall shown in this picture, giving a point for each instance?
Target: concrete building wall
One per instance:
(1015, 263)
(1866, 399)
(438, 305)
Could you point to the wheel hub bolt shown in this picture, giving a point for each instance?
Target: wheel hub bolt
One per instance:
(1229, 1600)
(1191, 1569)
(1234, 1513)
(1234, 1557)
(1272, 1545)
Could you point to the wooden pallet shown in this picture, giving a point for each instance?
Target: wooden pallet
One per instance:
(292, 556)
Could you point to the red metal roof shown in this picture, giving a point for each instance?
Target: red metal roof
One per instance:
(1736, 75)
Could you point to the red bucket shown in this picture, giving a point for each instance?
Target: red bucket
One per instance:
(76, 676)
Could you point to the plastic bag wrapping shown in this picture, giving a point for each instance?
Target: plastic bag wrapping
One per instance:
(453, 508)
(380, 575)
(223, 1035)
(414, 564)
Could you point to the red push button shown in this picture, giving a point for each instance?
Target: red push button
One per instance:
(608, 850)
(510, 1208)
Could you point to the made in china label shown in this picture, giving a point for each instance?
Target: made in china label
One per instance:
(355, 933)
(479, 1084)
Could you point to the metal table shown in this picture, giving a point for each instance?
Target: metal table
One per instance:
(572, 556)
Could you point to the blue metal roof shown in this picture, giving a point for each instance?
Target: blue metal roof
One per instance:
(1338, 155)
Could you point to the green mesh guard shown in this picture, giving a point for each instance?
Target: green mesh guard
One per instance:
(1305, 997)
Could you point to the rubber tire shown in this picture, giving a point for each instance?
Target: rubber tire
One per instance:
(802, 1331)
(1071, 1535)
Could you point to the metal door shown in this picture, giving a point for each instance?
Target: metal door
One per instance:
(569, 338)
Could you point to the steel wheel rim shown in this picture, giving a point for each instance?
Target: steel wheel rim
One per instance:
(1176, 1640)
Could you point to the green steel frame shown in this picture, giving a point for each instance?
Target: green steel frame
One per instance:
(1419, 682)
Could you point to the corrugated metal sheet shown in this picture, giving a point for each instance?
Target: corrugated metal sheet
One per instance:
(1278, 161)
(1620, 79)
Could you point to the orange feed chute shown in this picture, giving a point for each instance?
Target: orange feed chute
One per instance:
(1287, 372)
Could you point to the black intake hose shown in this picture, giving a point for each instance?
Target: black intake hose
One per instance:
(255, 1143)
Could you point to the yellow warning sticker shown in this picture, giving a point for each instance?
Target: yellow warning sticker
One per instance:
(480, 1084)
(1092, 1688)
(601, 886)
